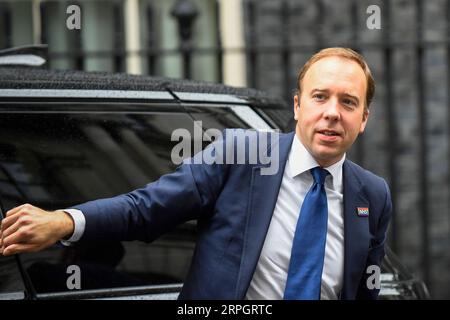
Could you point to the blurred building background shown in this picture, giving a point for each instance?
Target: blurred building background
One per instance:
(262, 44)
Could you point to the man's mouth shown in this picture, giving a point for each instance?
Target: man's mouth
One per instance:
(330, 133)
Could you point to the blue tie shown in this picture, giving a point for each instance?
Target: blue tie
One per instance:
(308, 247)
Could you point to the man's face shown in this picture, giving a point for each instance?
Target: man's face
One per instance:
(331, 112)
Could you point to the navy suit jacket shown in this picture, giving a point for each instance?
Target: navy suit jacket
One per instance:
(233, 206)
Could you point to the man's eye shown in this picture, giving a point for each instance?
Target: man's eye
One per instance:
(349, 102)
(319, 97)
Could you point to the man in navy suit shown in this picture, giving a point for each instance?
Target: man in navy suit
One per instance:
(247, 220)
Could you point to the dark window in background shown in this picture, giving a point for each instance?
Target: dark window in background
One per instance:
(5, 26)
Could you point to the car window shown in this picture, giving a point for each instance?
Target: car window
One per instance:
(57, 159)
(282, 118)
(216, 117)
(221, 117)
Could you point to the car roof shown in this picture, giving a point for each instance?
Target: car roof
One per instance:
(13, 77)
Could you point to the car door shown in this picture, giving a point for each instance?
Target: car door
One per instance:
(56, 154)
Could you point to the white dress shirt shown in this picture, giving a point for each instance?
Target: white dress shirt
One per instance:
(79, 224)
(269, 279)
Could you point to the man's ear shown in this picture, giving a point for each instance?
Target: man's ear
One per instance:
(296, 106)
(366, 115)
(364, 122)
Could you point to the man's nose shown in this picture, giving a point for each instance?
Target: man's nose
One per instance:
(332, 110)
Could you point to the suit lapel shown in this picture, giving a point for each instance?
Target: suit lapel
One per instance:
(261, 205)
(356, 232)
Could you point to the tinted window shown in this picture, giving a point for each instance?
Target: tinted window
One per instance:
(283, 118)
(216, 118)
(59, 159)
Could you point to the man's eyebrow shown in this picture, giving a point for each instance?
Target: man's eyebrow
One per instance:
(319, 90)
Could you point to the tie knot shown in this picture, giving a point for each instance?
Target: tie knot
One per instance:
(319, 175)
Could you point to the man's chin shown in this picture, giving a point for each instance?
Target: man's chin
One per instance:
(328, 157)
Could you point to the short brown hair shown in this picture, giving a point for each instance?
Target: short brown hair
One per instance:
(345, 53)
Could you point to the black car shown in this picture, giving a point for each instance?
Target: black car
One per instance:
(67, 137)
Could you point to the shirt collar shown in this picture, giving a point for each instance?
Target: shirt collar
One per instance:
(300, 160)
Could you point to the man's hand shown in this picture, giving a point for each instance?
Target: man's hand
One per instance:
(28, 229)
